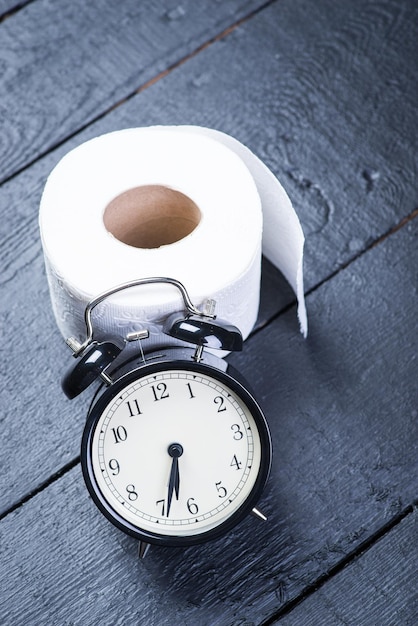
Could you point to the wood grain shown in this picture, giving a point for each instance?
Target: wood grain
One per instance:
(377, 588)
(251, 101)
(330, 99)
(343, 421)
(326, 96)
(65, 64)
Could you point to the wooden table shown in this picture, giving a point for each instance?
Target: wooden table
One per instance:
(326, 94)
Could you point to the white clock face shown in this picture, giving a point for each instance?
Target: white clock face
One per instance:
(176, 453)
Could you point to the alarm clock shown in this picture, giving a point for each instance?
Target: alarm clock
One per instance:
(176, 450)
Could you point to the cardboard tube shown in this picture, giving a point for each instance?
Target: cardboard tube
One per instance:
(151, 216)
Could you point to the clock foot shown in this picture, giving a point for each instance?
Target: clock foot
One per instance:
(143, 549)
(259, 514)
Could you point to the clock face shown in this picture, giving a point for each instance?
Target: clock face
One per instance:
(176, 453)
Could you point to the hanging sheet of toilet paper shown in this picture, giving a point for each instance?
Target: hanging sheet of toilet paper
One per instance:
(243, 211)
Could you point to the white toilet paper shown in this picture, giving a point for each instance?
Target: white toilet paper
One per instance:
(97, 233)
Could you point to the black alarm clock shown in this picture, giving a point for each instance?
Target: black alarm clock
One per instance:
(176, 450)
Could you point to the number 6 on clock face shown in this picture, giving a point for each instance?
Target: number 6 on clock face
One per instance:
(176, 453)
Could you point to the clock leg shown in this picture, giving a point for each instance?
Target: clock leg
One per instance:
(259, 515)
(143, 549)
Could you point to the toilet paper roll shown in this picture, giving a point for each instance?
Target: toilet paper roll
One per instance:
(184, 202)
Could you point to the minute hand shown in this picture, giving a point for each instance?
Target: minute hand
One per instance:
(173, 484)
(175, 450)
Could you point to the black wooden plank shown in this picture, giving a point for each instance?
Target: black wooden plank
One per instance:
(378, 588)
(254, 102)
(327, 100)
(342, 409)
(345, 442)
(66, 63)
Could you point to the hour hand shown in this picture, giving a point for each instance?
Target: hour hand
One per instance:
(175, 450)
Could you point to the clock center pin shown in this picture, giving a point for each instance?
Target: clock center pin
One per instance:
(175, 450)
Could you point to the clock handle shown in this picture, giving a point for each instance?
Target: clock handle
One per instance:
(199, 328)
(78, 347)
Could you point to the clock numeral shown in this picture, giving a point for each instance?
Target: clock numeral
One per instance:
(190, 391)
(192, 506)
(238, 434)
(162, 502)
(160, 391)
(219, 400)
(235, 463)
(222, 492)
(120, 434)
(132, 495)
(114, 466)
(133, 408)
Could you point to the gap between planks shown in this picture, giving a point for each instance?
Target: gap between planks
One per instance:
(136, 91)
(391, 231)
(362, 547)
(386, 528)
(344, 562)
(44, 485)
(69, 466)
(18, 6)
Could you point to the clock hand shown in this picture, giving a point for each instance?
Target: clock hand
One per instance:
(177, 482)
(175, 450)
(172, 482)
